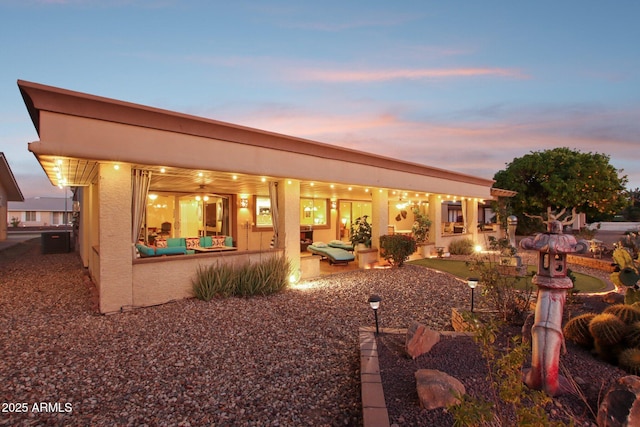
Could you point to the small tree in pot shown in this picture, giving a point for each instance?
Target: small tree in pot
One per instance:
(420, 229)
(361, 232)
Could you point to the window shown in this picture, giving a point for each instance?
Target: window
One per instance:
(57, 218)
(30, 216)
(187, 215)
(314, 212)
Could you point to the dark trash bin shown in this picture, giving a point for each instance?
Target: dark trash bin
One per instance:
(56, 242)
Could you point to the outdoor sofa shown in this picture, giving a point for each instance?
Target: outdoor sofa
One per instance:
(185, 245)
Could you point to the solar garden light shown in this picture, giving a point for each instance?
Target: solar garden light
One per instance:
(472, 282)
(374, 302)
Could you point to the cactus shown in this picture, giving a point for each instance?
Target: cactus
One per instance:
(607, 329)
(629, 360)
(608, 353)
(632, 336)
(627, 313)
(576, 330)
(632, 296)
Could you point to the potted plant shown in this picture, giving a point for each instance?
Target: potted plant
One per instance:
(420, 229)
(361, 232)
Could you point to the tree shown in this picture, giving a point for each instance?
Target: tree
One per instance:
(562, 178)
(632, 211)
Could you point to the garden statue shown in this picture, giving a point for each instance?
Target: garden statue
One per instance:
(510, 260)
(553, 283)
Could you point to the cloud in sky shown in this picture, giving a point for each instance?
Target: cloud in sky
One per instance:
(467, 89)
(480, 147)
(351, 76)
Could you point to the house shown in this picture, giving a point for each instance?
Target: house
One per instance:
(41, 212)
(9, 192)
(146, 174)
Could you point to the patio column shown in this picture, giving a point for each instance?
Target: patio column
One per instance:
(380, 215)
(114, 224)
(435, 215)
(289, 220)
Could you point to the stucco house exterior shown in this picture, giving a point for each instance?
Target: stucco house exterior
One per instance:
(9, 192)
(41, 211)
(145, 174)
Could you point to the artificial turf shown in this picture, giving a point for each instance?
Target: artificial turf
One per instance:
(584, 282)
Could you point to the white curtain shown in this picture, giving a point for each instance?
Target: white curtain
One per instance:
(273, 196)
(140, 183)
(465, 216)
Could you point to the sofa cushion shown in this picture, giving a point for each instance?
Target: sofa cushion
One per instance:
(172, 250)
(206, 242)
(228, 241)
(161, 243)
(218, 241)
(145, 251)
(173, 242)
(192, 242)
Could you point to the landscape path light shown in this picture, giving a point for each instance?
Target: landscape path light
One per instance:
(374, 302)
(472, 282)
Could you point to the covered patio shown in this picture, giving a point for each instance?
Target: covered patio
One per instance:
(143, 174)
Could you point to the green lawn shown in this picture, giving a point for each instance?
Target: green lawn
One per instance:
(584, 283)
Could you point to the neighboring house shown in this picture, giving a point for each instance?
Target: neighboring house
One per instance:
(9, 192)
(41, 212)
(146, 174)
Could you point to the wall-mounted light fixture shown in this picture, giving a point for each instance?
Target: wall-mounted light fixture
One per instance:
(244, 202)
(334, 204)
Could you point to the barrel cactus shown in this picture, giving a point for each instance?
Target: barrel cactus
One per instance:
(632, 336)
(627, 313)
(576, 330)
(629, 360)
(607, 329)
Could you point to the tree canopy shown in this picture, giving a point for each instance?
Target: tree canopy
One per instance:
(562, 178)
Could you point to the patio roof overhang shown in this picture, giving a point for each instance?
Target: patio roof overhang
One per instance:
(78, 131)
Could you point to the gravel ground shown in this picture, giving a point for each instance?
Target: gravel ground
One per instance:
(461, 358)
(290, 359)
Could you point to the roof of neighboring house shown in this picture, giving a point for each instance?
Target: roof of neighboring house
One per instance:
(8, 181)
(43, 204)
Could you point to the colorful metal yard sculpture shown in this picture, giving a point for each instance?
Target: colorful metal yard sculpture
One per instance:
(553, 283)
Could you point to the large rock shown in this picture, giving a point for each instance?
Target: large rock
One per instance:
(437, 389)
(621, 404)
(420, 339)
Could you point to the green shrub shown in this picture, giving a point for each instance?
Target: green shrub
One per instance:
(500, 290)
(263, 278)
(396, 248)
(577, 330)
(461, 247)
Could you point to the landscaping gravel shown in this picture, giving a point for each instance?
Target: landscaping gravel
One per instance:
(290, 359)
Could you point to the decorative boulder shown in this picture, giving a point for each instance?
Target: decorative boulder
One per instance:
(613, 298)
(420, 339)
(621, 404)
(437, 389)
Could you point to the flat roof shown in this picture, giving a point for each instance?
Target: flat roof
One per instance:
(39, 97)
